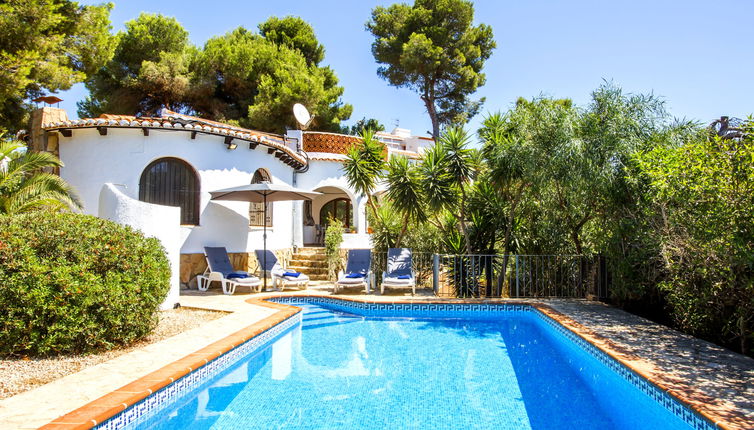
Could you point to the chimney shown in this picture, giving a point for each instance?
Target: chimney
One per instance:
(40, 139)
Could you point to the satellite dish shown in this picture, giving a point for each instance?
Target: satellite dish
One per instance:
(302, 115)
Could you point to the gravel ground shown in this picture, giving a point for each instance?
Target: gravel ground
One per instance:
(19, 375)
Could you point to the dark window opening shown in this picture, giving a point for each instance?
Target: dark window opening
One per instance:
(172, 182)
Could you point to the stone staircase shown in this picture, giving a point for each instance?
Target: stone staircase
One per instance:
(311, 261)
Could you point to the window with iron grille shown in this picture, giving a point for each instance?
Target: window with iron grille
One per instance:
(256, 210)
(172, 182)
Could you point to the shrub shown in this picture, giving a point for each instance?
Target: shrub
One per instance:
(333, 239)
(72, 283)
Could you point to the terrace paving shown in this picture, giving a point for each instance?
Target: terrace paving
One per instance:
(704, 374)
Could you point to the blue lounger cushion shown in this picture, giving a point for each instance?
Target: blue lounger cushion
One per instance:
(355, 275)
(292, 274)
(404, 277)
(237, 275)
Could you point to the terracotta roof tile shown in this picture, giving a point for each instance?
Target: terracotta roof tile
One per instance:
(172, 120)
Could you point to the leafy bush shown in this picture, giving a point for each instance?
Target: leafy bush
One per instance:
(73, 283)
(705, 193)
(333, 239)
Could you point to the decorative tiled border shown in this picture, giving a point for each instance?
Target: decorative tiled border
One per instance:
(409, 310)
(443, 310)
(143, 410)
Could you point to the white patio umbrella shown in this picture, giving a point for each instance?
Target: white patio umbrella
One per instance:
(262, 193)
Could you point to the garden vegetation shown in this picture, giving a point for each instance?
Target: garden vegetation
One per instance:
(72, 283)
(668, 203)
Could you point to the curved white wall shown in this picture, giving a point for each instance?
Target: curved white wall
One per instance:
(92, 160)
(161, 222)
(120, 157)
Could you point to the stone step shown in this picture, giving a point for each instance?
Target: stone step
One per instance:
(310, 251)
(314, 257)
(318, 277)
(308, 270)
(307, 263)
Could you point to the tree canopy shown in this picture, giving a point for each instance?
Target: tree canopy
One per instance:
(362, 125)
(296, 34)
(47, 46)
(250, 79)
(148, 70)
(433, 48)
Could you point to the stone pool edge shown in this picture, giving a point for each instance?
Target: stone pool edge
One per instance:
(100, 410)
(109, 405)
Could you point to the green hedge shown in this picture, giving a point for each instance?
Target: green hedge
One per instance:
(73, 283)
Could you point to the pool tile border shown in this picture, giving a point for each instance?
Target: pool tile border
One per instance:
(184, 372)
(128, 402)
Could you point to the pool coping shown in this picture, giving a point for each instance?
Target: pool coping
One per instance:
(109, 405)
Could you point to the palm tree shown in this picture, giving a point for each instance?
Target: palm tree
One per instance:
(404, 189)
(24, 187)
(448, 168)
(365, 165)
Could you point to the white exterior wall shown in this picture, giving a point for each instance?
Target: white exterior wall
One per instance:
(161, 222)
(120, 157)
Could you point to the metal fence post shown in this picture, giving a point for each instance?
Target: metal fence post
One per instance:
(518, 293)
(436, 272)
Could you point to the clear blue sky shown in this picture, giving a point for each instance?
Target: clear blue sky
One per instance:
(698, 55)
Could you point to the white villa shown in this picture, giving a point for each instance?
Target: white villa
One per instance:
(156, 174)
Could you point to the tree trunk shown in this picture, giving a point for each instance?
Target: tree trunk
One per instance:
(402, 233)
(429, 103)
(464, 229)
(575, 233)
(743, 334)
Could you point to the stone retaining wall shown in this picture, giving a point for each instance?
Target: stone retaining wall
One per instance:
(192, 265)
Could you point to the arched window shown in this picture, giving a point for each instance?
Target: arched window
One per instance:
(172, 182)
(256, 210)
(339, 208)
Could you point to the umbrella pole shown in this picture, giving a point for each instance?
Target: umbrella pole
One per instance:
(264, 241)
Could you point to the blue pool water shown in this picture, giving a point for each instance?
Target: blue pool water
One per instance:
(338, 370)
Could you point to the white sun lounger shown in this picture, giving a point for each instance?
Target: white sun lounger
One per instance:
(219, 269)
(400, 270)
(358, 270)
(278, 273)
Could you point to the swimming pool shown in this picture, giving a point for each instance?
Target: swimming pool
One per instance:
(370, 366)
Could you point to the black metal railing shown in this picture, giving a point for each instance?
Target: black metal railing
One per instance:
(481, 275)
(422, 264)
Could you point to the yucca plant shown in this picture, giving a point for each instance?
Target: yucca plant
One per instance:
(449, 166)
(404, 190)
(25, 187)
(364, 166)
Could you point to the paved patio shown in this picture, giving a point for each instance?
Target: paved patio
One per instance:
(704, 374)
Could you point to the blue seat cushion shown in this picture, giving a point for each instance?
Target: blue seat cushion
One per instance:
(404, 277)
(292, 274)
(237, 275)
(355, 275)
